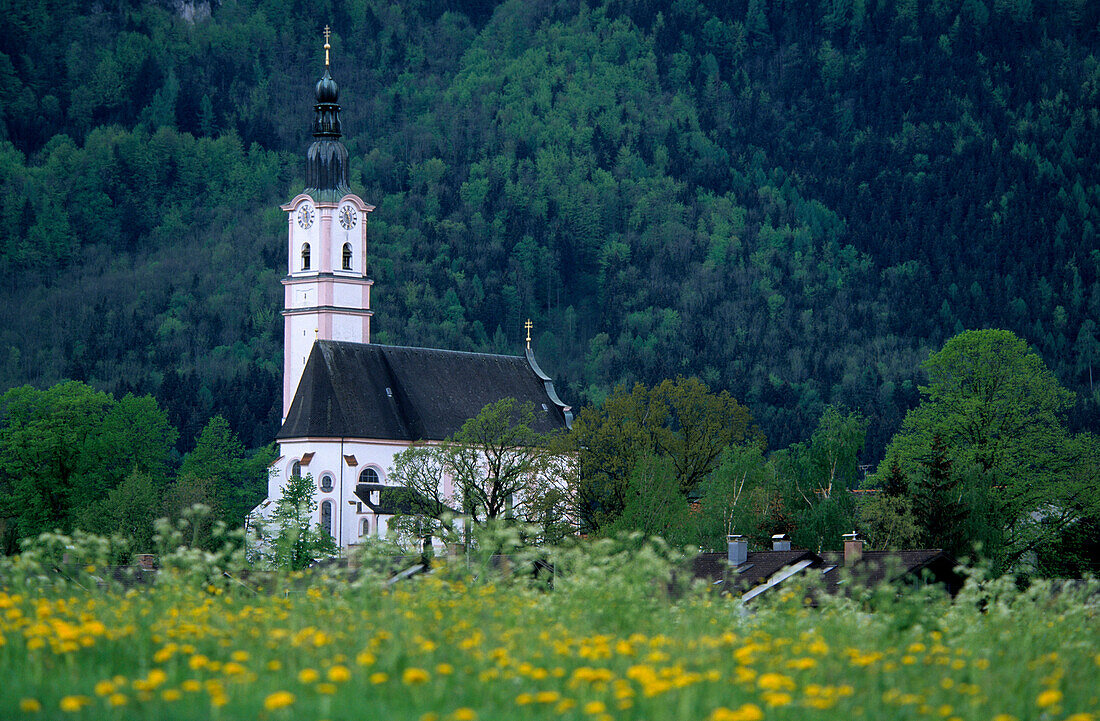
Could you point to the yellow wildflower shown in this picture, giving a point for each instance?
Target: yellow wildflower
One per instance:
(365, 658)
(171, 694)
(776, 698)
(104, 688)
(747, 712)
(464, 714)
(413, 676)
(1048, 698)
(326, 689)
(29, 705)
(379, 677)
(278, 700)
(308, 675)
(595, 707)
(444, 669)
(117, 699)
(73, 704)
(339, 674)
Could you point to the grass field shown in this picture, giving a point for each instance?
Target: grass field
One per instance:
(606, 643)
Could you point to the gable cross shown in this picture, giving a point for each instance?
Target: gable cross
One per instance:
(528, 325)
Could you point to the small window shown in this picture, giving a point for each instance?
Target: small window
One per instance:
(295, 470)
(326, 516)
(305, 256)
(326, 483)
(364, 529)
(347, 256)
(369, 475)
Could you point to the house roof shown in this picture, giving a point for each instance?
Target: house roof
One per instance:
(365, 390)
(392, 500)
(874, 567)
(758, 567)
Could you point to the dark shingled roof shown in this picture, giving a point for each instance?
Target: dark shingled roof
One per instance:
(758, 567)
(364, 390)
(875, 567)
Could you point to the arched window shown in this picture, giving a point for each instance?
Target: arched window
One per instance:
(326, 483)
(326, 516)
(347, 256)
(305, 256)
(364, 528)
(368, 475)
(295, 470)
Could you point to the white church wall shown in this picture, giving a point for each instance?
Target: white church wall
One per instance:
(329, 457)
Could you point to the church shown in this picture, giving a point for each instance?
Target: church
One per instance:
(349, 406)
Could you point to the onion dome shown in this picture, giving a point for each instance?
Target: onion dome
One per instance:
(327, 158)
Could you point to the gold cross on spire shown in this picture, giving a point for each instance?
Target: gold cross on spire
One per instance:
(528, 325)
(327, 46)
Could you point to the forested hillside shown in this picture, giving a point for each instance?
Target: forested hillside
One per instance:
(795, 201)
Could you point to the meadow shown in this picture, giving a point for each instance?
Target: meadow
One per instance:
(609, 640)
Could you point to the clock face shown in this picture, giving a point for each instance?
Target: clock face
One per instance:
(305, 217)
(347, 217)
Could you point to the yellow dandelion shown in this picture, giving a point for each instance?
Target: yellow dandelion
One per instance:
(774, 682)
(464, 714)
(524, 699)
(308, 675)
(239, 656)
(595, 707)
(326, 689)
(1048, 698)
(274, 665)
(171, 694)
(776, 698)
(104, 688)
(117, 699)
(414, 676)
(444, 669)
(365, 658)
(1081, 717)
(191, 685)
(73, 704)
(339, 674)
(29, 705)
(378, 677)
(278, 700)
(564, 705)
(747, 712)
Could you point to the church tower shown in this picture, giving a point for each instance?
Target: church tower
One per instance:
(326, 290)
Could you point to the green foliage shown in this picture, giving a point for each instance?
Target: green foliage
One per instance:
(64, 449)
(816, 477)
(292, 541)
(494, 468)
(679, 421)
(236, 480)
(725, 191)
(987, 450)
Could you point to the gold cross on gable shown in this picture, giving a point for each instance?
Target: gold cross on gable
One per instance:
(528, 325)
(327, 46)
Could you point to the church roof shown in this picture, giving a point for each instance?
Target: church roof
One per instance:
(365, 390)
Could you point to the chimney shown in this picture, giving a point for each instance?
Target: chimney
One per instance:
(853, 548)
(781, 542)
(738, 550)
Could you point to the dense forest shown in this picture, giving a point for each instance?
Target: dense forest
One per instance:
(794, 201)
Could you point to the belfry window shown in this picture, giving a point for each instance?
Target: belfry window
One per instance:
(326, 516)
(305, 256)
(347, 257)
